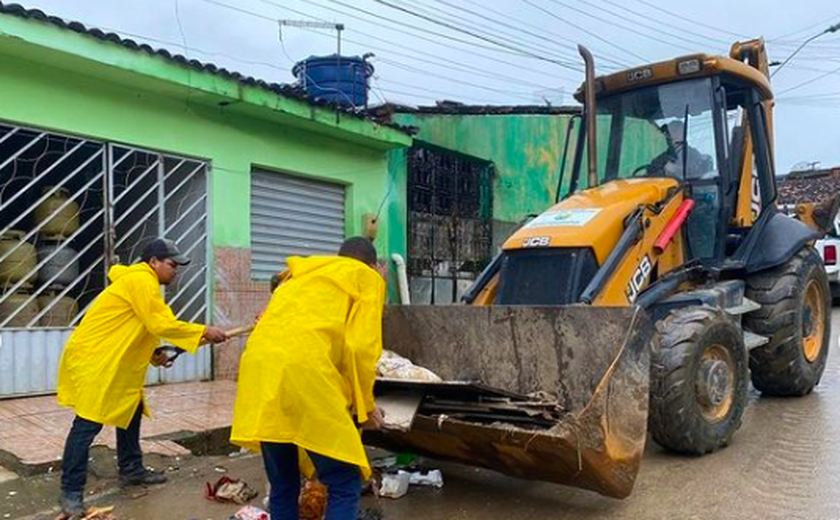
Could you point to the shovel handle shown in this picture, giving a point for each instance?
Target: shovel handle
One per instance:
(232, 333)
(239, 331)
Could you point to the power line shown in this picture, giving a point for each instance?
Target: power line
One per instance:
(659, 29)
(404, 25)
(191, 48)
(471, 69)
(691, 20)
(448, 78)
(574, 43)
(422, 91)
(832, 29)
(402, 29)
(814, 104)
(815, 99)
(806, 29)
(239, 9)
(579, 28)
(809, 82)
(521, 95)
(621, 26)
(502, 23)
(475, 35)
(453, 65)
(485, 30)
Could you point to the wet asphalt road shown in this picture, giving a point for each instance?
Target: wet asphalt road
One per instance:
(783, 463)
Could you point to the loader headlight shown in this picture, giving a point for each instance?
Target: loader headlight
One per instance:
(689, 66)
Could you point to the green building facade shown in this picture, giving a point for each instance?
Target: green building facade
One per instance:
(144, 143)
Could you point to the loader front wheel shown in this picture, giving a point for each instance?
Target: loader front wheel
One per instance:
(699, 381)
(795, 314)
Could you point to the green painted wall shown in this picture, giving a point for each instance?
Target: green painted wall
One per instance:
(51, 89)
(396, 214)
(526, 150)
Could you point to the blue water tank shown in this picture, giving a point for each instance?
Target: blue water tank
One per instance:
(337, 79)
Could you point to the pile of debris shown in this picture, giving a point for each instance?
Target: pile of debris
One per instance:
(402, 400)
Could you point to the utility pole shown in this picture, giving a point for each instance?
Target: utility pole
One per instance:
(834, 28)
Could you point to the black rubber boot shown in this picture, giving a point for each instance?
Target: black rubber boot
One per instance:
(146, 478)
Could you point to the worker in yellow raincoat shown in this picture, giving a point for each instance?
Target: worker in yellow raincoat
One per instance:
(308, 367)
(104, 365)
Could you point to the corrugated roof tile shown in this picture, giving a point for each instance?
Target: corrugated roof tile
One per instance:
(284, 90)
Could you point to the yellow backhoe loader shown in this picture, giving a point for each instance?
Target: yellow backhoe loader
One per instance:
(644, 301)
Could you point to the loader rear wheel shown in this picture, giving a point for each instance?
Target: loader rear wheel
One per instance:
(795, 314)
(699, 381)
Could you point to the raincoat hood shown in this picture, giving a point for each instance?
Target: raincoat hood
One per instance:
(118, 271)
(341, 270)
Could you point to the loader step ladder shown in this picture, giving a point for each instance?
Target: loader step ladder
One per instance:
(745, 307)
(753, 340)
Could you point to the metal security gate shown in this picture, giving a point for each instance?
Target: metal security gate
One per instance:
(292, 216)
(69, 209)
(161, 195)
(450, 227)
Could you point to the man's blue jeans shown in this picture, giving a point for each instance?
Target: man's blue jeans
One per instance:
(343, 481)
(74, 464)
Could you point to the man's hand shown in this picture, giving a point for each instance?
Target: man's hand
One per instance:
(376, 420)
(214, 334)
(159, 358)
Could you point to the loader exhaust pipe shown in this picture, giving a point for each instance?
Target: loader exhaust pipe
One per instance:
(590, 111)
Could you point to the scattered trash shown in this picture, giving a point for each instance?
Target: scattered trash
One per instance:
(394, 366)
(12, 493)
(241, 452)
(406, 459)
(220, 469)
(394, 485)
(100, 513)
(384, 463)
(432, 478)
(250, 513)
(7, 515)
(397, 461)
(227, 489)
(138, 494)
(313, 500)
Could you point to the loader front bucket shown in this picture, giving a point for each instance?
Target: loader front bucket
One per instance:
(593, 361)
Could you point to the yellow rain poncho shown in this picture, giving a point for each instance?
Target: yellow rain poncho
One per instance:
(311, 361)
(104, 364)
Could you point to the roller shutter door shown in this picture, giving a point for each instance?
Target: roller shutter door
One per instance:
(292, 216)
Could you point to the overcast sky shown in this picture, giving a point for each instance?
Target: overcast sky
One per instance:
(501, 51)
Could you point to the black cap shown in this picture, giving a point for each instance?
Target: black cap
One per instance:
(163, 248)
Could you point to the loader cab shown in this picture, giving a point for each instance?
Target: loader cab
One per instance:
(707, 131)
